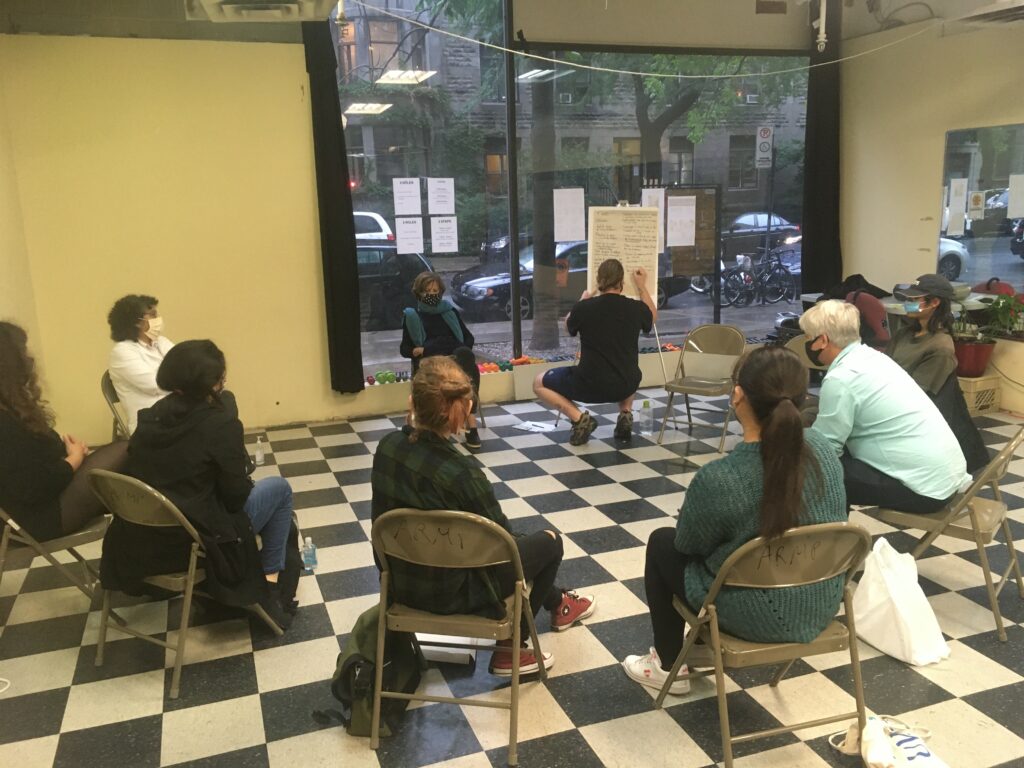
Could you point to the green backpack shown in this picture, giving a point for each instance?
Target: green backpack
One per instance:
(352, 684)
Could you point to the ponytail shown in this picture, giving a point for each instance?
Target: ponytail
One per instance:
(442, 397)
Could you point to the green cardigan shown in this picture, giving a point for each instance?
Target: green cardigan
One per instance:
(721, 512)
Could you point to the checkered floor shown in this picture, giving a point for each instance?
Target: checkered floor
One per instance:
(247, 698)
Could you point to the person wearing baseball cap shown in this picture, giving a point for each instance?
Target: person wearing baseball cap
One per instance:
(923, 347)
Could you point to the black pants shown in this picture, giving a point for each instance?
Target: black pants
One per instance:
(867, 486)
(78, 504)
(540, 554)
(663, 579)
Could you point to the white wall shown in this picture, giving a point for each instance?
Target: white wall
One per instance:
(897, 105)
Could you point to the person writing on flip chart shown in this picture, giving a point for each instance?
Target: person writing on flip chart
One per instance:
(608, 324)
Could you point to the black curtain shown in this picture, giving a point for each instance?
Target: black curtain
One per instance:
(822, 259)
(334, 201)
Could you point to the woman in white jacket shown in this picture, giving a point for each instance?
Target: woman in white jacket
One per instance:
(137, 327)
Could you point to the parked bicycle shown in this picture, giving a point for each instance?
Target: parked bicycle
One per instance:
(766, 280)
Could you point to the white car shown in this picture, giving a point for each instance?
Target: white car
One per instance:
(372, 226)
(954, 258)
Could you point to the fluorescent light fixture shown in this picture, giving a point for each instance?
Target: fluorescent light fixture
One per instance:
(541, 75)
(405, 76)
(368, 108)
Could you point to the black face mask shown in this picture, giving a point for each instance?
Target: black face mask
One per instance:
(431, 299)
(814, 355)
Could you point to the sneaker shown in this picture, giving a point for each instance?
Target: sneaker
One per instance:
(624, 426)
(472, 438)
(501, 662)
(572, 608)
(581, 429)
(647, 670)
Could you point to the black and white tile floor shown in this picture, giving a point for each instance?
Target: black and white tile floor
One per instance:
(247, 698)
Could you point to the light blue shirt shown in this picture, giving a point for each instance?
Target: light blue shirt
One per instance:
(872, 407)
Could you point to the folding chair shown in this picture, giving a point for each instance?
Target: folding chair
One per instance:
(970, 518)
(449, 540)
(806, 555)
(705, 366)
(120, 428)
(135, 502)
(88, 579)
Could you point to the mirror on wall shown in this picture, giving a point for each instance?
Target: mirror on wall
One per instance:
(982, 217)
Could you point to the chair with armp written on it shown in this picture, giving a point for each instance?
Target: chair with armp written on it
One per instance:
(806, 555)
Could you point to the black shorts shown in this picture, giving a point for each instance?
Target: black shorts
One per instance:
(565, 382)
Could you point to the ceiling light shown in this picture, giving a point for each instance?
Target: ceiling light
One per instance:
(541, 75)
(368, 108)
(405, 76)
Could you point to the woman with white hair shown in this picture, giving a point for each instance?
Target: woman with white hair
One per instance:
(896, 448)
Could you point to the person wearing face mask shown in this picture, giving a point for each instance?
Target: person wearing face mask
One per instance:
(137, 329)
(923, 347)
(434, 327)
(896, 448)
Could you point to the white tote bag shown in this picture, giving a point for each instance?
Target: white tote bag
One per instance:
(891, 611)
(888, 743)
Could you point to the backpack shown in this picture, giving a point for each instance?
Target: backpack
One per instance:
(352, 684)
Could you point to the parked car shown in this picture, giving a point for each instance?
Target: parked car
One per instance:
(1017, 238)
(746, 233)
(954, 258)
(491, 294)
(385, 284)
(493, 259)
(372, 226)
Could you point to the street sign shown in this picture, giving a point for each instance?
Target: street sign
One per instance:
(764, 142)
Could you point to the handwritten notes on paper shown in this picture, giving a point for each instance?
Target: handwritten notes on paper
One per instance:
(441, 197)
(682, 221)
(409, 234)
(629, 235)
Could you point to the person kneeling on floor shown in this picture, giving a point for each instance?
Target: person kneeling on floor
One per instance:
(418, 467)
(779, 477)
(609, 369)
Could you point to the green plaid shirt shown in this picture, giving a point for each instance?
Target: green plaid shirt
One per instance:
(431, 474)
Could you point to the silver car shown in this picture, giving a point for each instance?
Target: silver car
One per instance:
(954, 258)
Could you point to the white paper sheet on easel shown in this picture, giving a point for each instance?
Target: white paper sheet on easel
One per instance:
(957, 207)
(409, 234)
(654, 197)
(570, 223)
(1015, 205)
(407, 197)
(682, 221)
(441, 197)
(629, 235)
(444, 234)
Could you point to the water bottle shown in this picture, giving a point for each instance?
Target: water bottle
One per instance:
(646, 419)
(309, 555)
(259, 455)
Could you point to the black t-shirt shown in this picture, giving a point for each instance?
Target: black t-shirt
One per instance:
(608, 326)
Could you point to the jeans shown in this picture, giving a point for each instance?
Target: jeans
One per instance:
(269, 508)
(663, 580)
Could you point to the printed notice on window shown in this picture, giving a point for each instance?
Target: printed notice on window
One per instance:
(409, 234)
(569, 215)
(654, 197)
(682, 221)
(629, 235)
(441, 197)
(444, 234)
(407, 197)
(957, 207)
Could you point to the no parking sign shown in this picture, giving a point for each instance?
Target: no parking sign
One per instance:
(765, 140)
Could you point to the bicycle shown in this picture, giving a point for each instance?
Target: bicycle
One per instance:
(767, 280)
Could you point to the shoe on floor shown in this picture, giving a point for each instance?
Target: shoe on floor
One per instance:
(472, 438)
(582, 428)
(647, 670)
(572, 608)
(624, 426)
(501, 662)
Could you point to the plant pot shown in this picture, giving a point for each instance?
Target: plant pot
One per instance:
(972, 357)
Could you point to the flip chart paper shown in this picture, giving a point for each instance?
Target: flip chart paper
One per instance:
(569, 215)
(629, 235)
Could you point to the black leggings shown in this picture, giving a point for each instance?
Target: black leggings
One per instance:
(540, 554)
(78, 504)
(663, 579)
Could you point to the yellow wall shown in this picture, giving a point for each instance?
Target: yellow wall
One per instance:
(17, 302)
(181, 169)
(897, 105)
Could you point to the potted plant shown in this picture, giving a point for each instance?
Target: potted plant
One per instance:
(974, 332)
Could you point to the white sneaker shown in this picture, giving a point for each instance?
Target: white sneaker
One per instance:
(647, 670)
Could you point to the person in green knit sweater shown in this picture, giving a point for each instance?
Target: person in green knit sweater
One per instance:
(779, 477)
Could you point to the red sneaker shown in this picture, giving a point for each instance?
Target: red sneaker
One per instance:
(501, 661)
(572, 608)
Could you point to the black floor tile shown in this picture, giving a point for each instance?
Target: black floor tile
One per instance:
(633, 510)
(350, 583)
(560, 750)
(320, 498)
(541, 452)
(604, 540)
(890, 685)
(125, 656)
(597, 695)
(623, 637)
(296, 444)
(606, 459)
(310, 622)
(581, 572)
(134, 743)
(289, 711)
(337, 428)
(206, 682)
(300, 468)
(42, 636)
(353, 476)
(428, 735)
(559, 501)
(32, 715)
(584, 478)
(1004, 705)
(334, 535)
(1010, 654)
(344, 451)
(250, 757)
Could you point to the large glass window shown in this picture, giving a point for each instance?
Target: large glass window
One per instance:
(742, 171)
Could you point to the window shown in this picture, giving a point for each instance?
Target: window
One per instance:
(347, 50)
(492, 75)
(496, 167)
(627, 165)
(383, 46)
(356, 155)
(680, 149)
(571, 144)
(742, 173)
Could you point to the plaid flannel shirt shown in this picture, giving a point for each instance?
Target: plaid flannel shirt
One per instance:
(431, 474)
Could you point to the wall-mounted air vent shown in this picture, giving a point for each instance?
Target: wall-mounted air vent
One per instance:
(276, 11)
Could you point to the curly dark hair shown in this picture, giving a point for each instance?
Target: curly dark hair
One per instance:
(20, 394)
(125, 315)
(192, 368)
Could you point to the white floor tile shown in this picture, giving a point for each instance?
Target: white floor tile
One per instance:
(114, 701)
(651, 739)
(38, 672)
(197, 732)
(295, 663)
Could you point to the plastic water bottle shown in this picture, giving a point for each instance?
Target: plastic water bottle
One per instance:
(259, 454)
(309, 555)
(646, 420)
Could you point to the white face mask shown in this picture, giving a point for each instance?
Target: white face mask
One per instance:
(156, 325)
